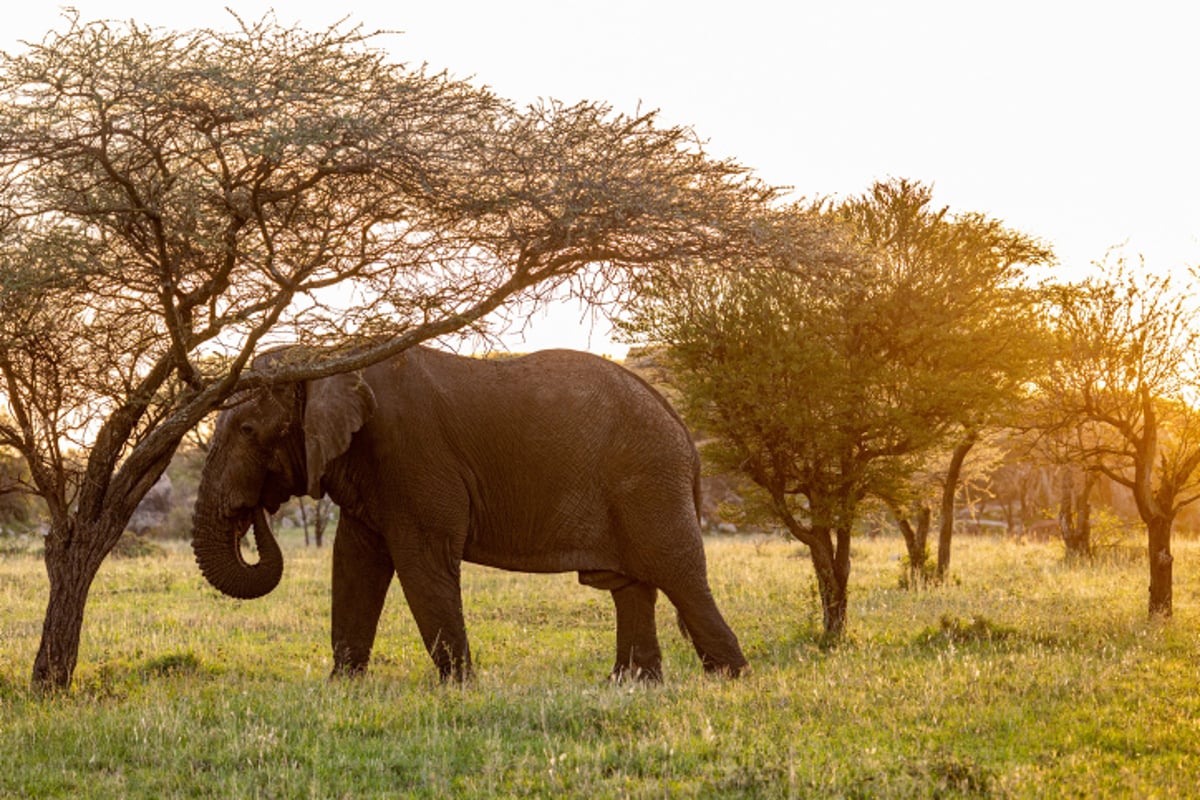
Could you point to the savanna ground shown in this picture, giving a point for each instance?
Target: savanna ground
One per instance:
(1024, 677)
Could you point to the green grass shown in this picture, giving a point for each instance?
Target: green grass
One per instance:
(1023, 677)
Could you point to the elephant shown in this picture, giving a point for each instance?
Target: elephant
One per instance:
(556, 461)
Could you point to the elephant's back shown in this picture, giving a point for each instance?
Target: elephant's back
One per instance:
(561, 388)
(556, 447)
(574, 399)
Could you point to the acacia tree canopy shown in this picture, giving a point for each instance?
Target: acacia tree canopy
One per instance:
(825, 379)
(172, 203)
(961, 277)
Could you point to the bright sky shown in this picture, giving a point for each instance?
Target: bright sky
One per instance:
(1072, 121)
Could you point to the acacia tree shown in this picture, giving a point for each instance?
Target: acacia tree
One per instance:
(1123, 389)
(825, 379)
(977, 329)
(172, 203)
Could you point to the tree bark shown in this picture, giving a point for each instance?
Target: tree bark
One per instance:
(949, 489)
(323, 507)
(1083, 510)
(832, 567)
(1074, 515)
(916, 541)
(830, 560)
(303, 517)
(1157, 508)
(1161, 566)
(71, 567)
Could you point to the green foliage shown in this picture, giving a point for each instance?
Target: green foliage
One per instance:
(829, 380)
(1116, 540)
(185, 662)
(1029, 678)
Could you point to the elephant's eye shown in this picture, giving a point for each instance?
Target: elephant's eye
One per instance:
(247, 428)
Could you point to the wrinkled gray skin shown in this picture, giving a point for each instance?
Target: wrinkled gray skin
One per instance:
(553, 462)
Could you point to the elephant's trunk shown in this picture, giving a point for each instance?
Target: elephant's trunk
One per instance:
(219, 555)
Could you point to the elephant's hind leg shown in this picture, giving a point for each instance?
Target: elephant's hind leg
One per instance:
(638, 653)
(714, 641)
(682, 574)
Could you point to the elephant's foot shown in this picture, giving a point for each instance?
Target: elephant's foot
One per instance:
(452, 657)
(350, 660)
(622, 672)
(731, 670)
(459, 674)
(638, 655)
(714, 642)
(348, 671)
(734, 669)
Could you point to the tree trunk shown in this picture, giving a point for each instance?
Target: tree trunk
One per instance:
(833, 573)
(916, 541)
(1161, 563)
(1157, 506)
(1083, 510)
(1074, 515)
(304, 519)
(71, 564)
(1009, 516)
(946, 523)
(831, 563)
(323, 506)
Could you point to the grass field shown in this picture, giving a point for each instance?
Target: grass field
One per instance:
(1024, 677)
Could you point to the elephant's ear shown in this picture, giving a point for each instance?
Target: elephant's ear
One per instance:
(335, 408)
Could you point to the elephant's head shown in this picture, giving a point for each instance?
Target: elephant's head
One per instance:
(270, 444)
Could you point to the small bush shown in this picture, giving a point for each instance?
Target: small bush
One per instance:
(172, 664)
(1116, 541)
(954, 776)
(955, 630)
(913, 578)
(131, 545)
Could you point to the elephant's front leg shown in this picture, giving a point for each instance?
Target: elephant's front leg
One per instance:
(362, 572)
(433, 590)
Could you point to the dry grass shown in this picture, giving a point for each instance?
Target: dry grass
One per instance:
(1024, 677)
